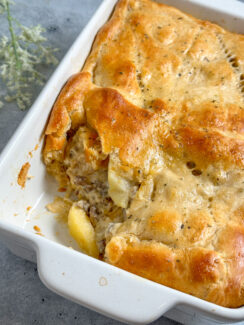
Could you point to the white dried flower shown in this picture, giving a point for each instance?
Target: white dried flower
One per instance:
(20, 57)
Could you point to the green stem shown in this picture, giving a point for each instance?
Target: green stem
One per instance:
(13, 39)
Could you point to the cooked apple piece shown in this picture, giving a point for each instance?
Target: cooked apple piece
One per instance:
(82, 231)
(118, 189)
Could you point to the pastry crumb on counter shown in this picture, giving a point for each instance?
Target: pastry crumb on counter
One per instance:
(22, 176)
(28, 208)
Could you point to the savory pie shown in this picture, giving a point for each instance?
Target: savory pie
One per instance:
(148, 142)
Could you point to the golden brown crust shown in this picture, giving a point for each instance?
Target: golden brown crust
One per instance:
(67, 112)
(208, 274)
(121, 125)
(165, 95)
(69, 102)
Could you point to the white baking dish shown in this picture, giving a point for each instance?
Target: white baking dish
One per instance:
(87, 281)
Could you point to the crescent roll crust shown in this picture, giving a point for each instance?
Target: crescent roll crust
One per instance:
(150, 138)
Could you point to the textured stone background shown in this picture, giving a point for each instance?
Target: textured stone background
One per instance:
(23, 298)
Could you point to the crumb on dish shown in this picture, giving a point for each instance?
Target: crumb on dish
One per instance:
(23, 174)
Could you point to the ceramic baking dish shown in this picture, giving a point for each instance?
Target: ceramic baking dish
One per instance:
(85, 280)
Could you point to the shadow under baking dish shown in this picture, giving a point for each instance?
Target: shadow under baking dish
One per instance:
(23, 216)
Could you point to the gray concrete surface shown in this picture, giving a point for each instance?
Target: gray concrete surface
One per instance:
(24, 299)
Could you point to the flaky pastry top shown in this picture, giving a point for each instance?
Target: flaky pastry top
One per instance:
(164, 92)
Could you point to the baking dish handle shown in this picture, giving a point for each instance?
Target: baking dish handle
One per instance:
(101, 287)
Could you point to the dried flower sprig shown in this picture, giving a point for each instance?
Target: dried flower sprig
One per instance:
(21, 54)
